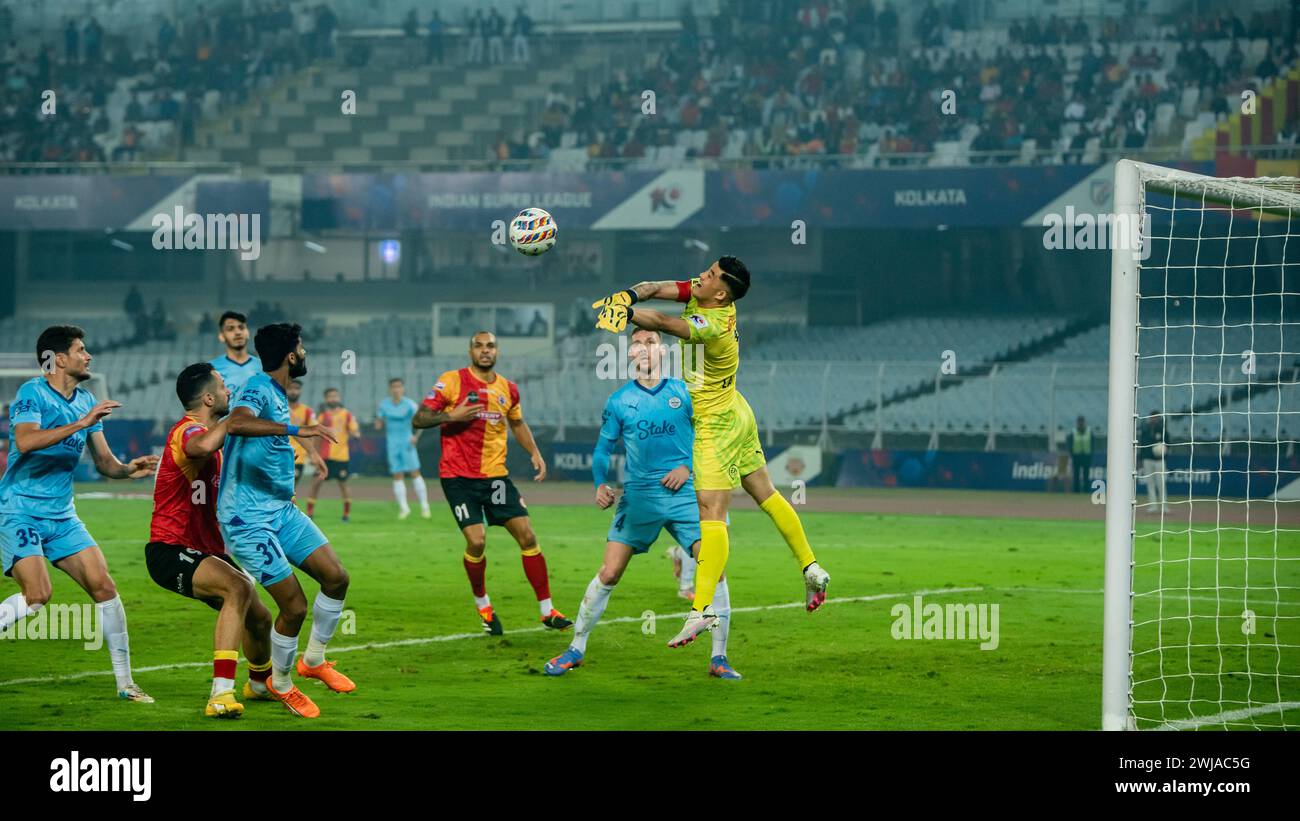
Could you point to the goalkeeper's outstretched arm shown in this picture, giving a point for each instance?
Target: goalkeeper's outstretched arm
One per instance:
(663, 289)
(656, 321)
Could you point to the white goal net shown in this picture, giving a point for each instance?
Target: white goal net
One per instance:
(1203, 473)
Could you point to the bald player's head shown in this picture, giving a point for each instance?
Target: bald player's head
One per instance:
(483, 350)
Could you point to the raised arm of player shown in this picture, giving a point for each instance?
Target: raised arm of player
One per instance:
(656, 321)
(663, 289)
(244, 423)
(203, 445)
(110, 467)
(29, 436)
(524, 436)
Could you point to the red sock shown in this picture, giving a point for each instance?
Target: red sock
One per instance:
(347, 508)
(535, 570)
(311, 506)
(224, 667)
(477, 572)
(259, 673)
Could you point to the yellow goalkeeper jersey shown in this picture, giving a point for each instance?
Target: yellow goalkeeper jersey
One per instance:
(712, 381)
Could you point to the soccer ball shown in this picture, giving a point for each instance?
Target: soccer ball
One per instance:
(1158, 450)
(532, 231)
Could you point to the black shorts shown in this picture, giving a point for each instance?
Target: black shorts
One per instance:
(474, 500)
(297, 471)
(337, 470)
(172, 567)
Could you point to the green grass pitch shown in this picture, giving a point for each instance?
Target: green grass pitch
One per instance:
(840, 668)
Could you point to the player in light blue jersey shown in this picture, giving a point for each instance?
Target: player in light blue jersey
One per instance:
(267, 532)
(236, 365)
(52, 420)
(394, 416)
(651, 415)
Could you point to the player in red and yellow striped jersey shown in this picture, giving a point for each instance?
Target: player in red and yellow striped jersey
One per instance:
(474, 406)
(727, 452)
(186, 554)
(301, 414)
(336, 454)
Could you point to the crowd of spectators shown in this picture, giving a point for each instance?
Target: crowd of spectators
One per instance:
(760, 80)
(201, 62)
(829, 77)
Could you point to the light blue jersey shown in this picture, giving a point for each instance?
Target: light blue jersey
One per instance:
(236, 375)
(257, 473)
(39, 483)
(654, 425)
(397, 416)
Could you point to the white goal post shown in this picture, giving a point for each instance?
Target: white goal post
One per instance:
(1202, 587)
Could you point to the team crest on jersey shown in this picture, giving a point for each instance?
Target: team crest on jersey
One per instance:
(698, 321)
(674, 402)
(472, 397)
(501, 400)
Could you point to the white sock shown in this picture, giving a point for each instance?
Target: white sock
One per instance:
(546, 606)
(721, 607)
(687, 581)
(14, 608)
(112, 620)
(482, 601)
(221, 685)
(590, 611)
(399, 493)
(421, 492)
(325, 613)
(283, 649)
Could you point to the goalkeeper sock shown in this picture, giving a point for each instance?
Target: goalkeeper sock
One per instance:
(787, 521)
(714, 549)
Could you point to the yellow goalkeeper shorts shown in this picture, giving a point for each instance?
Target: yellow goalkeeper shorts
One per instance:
(726, 447)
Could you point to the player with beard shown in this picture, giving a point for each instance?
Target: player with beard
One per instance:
(474, 406)
(185, 553)
(268, 534)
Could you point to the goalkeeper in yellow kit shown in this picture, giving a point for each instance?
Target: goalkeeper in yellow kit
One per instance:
(727, 451)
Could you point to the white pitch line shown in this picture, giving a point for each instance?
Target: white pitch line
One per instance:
(1227, 716)
(381, 645)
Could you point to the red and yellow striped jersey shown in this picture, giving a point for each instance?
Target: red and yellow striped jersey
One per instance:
(474, 449)
(345, 426)
(185, 494)
(300, 415)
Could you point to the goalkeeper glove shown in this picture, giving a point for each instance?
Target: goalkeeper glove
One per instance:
(614, 318)
(627, 297)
